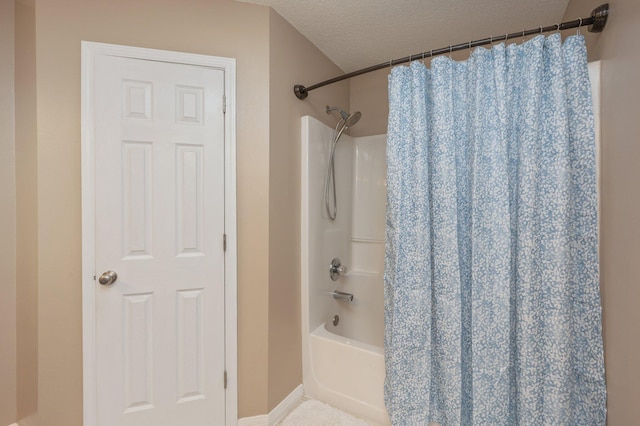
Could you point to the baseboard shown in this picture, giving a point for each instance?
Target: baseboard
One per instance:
(287, 404)
(278, 413)
(262, 420)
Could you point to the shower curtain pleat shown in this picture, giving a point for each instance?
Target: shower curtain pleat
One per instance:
(492, 309)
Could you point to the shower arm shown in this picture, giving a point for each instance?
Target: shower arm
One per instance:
(596, 23)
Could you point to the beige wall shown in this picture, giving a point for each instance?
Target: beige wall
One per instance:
(213, 27)
(293, 59)
(369, 96)
(617, 47)
(7, 218)
(26, 207)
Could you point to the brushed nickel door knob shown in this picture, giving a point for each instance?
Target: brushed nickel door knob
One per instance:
(108, 278)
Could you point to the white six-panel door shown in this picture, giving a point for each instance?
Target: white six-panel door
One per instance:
(159, 156)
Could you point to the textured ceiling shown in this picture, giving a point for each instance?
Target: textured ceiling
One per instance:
(358, 33)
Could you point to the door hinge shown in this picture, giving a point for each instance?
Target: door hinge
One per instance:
(224, 242)
(224, 104)
(225, 379)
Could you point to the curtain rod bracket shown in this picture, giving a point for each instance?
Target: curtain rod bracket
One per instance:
(599, 15)
(300, 91)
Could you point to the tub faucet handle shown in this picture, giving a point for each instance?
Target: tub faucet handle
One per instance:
(336, 269)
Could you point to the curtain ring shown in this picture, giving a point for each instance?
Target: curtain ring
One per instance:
(579, 25)
(540, 29)
(557, 27)
(523, 31)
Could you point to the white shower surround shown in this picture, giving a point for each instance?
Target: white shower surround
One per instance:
(343, 365)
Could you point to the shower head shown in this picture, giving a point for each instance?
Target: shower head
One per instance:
(349, 119)
(353, 118)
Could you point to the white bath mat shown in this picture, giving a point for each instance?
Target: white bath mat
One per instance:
(316, 413)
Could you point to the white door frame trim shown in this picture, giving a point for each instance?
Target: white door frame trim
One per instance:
(89, 51)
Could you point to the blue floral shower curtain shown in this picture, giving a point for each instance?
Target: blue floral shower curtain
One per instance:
(492, 308)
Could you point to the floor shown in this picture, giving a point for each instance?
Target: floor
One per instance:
(311, 412)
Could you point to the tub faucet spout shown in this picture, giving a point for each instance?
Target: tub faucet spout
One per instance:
(339, 295)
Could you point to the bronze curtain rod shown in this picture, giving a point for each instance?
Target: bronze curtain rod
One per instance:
(596, 22)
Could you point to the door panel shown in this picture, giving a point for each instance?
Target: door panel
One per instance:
(159, 167)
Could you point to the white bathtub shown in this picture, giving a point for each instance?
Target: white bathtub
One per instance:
(345, 363)
(347, 374)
